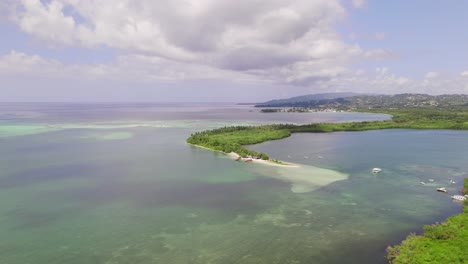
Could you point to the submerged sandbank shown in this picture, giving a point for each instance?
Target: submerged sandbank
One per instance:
(303, 178)
(18, 129)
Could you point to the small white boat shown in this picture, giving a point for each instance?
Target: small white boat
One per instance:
(376, 170)
(431, 180)
(459, 197)
(452, 182)
(423, 183)
(442, 189)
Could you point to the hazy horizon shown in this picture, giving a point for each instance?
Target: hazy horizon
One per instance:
(189, 102)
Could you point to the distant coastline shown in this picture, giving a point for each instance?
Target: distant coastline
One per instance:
(233, 139)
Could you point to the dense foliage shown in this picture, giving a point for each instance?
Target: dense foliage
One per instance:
(270, 110)
(455, 117)
(232, 139)
(441, 243)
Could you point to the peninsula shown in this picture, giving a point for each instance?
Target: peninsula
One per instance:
(441, 243)
(416, 112)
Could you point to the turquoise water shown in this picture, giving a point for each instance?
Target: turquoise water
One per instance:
(117, 184)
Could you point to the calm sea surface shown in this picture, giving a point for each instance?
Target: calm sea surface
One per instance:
(116, 183)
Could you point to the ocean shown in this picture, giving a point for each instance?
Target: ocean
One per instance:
(116, 183)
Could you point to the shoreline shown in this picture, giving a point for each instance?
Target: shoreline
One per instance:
(302, 178)
(235, 156)
(444, 242)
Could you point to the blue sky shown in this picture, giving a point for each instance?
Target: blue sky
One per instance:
(426, 35)
(205, 50)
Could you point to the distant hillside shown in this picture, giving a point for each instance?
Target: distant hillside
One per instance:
(304, 99)
(377, 101)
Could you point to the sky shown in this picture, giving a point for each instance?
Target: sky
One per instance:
(229, 50)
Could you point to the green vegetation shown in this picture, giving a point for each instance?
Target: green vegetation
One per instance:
(305, 99)
(409, 118)
(354, 102)
(232, 139)
(446, 242)
(270, 110)
(465, 189)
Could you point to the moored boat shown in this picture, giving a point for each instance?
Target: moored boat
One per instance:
(459, 197)
(442, 189)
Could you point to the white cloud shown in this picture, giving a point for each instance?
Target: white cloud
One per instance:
(359, 3)
(280, 41)
(147, 69)
(190, 30)
(273, 41)
(17, 62)
(431, 75)
(384, 81)
(49, 21)
(129, 67)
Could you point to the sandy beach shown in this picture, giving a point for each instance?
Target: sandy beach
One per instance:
(236, 156)
(303, 178)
